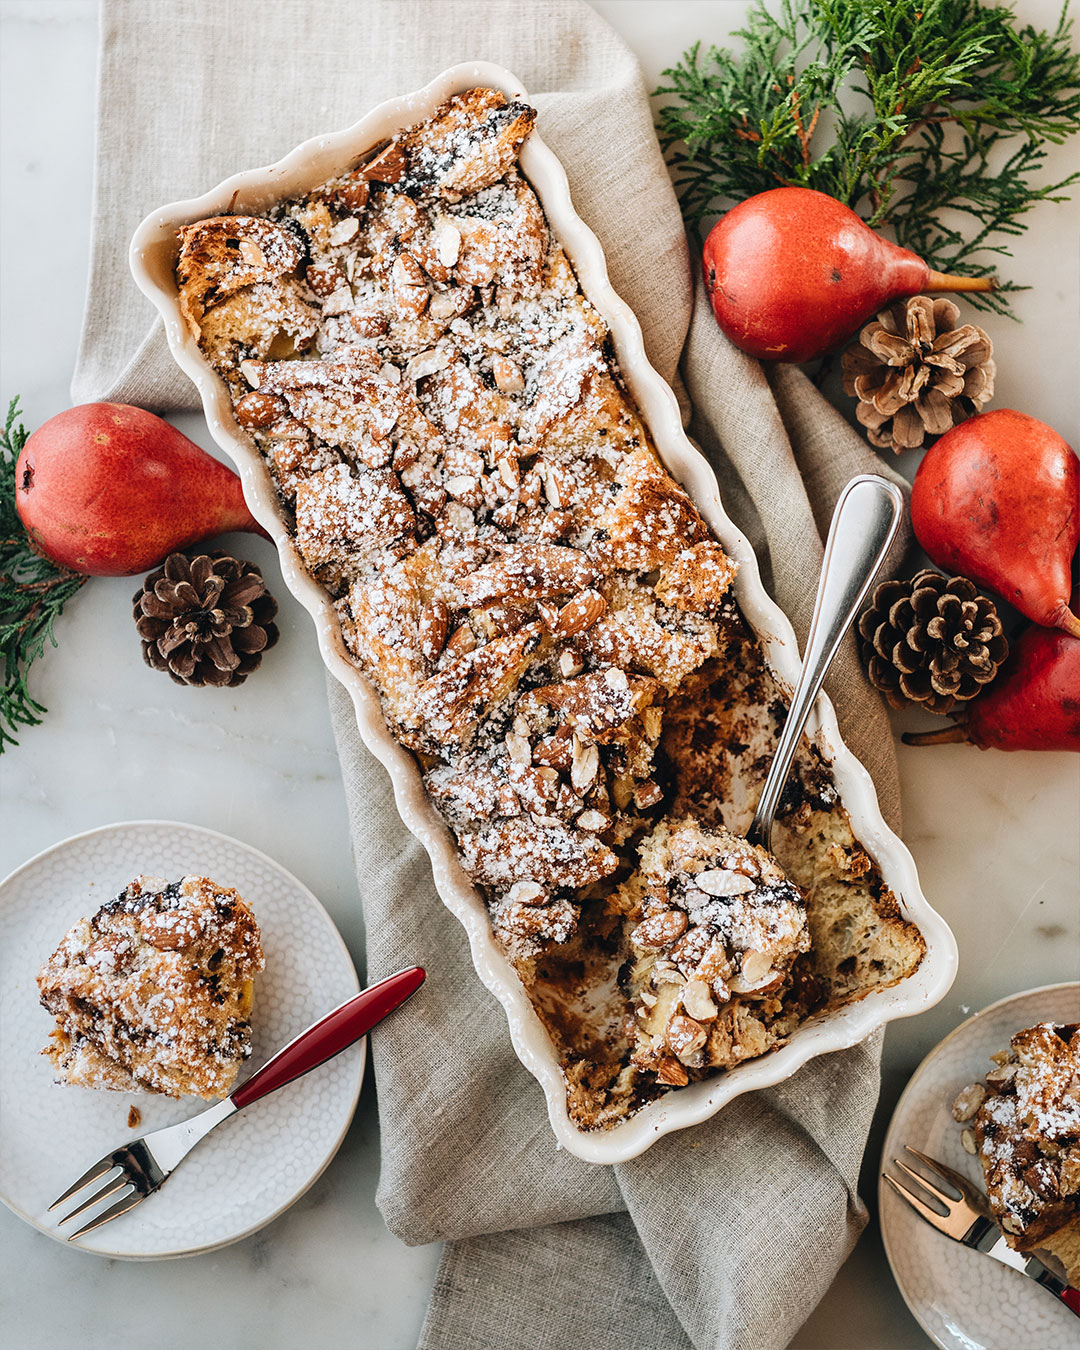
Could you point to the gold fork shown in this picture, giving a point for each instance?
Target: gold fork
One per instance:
(965, 1220)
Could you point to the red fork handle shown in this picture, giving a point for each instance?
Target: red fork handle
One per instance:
(330, 1035)
(1071, 1298)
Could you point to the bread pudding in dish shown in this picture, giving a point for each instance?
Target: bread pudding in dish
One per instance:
(546, 617)
(154, 992)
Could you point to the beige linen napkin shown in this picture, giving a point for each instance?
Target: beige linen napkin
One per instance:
(724, 1235)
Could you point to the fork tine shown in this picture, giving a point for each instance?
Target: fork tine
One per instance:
(99, 1169)
(928, 1186)
(110, 1188)
(114, 1211)
(930, 1215)
(946, 1173)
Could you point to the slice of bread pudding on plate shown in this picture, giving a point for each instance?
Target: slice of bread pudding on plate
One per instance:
(154, 992)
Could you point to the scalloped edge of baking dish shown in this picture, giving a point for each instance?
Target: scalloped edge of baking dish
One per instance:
(152, 256)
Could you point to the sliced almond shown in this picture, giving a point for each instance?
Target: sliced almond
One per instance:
(531, 489)
(518, 748)
(324, 280)
(584, 764)
(670, 1071)
(369, 325)
(967, 1101)
(447, 240)
(339, 303)
(755, 972)
(553, 750)
(496, 438)
(508, 376)
(647, 794)
(443, 305)
(386, 167)
(553, 489)
(719, 881)
(355, 194)
(260, 410)
(685, 1037)
(252, 254)
(344, 230)
(465, 488)
(432, 501)
(698, 1001)
(660, 929)
(527, 893)
(579, 614)
(407, 285)
(592, 821)
(427, 363)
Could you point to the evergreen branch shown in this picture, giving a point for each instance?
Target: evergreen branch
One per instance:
(902, 111)
(33, 592)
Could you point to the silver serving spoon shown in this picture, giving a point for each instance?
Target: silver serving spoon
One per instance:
(864, 524)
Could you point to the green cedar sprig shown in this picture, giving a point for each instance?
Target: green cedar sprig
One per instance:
(33, 591)
(904, 111)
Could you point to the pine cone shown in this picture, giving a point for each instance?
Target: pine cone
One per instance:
(205, 620)
(933, 640)
(916, 374)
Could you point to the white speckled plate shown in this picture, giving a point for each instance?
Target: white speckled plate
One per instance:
(963, 1300)
(254, 1165)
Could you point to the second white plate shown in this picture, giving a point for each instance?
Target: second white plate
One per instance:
(254, 1165)
(962, 1299)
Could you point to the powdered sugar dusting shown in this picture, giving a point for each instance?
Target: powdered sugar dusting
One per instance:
(154, 991)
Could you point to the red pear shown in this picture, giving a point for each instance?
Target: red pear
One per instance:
(1034, 704)
(997, 499)
(792, 272)
(110, 490)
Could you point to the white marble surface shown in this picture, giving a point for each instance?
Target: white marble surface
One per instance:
(995, 835)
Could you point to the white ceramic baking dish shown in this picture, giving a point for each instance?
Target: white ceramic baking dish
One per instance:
(153, 254)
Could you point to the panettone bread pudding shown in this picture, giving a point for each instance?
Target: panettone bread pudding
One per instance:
(155, 991)
(543, 611)
(1025, 1129)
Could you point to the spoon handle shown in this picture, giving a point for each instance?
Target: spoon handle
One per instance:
(864, 524)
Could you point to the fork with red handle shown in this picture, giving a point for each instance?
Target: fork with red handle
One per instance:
(145, 1163)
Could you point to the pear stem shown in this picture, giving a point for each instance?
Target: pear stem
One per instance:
(946, 736)
(939, 281)
(1068, 621)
